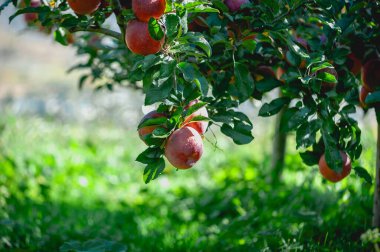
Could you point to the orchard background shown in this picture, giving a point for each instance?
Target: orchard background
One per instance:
(69, 179)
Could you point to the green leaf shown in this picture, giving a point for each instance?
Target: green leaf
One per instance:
(267, 84)
(152, 121)
(149, 155)
(243, 81)
(199, 118)
(297, 119)
(326, 77)
(272, 108)
(159, 91)
(161, 132)
(59, 36)
(38, 10)
(273, 5)
(199, 6)
(155, 29)
(332, 153)
(193, 75)
(297, 49)
(195, 107)
(363, 173)
(307, 132)
(373, 98)
(153, 170)
(240, 133)
(171, 23)
(310, 158)
(199, 41)
(250, 45)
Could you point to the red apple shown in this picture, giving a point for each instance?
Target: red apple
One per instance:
(332, 175)
(234, 5)
(138, 39)
(184, 148)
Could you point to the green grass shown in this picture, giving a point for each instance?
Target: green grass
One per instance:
(62, 182)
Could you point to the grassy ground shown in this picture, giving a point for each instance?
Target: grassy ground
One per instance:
(63, 182)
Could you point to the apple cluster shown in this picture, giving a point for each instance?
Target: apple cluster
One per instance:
(184, 146)
(137, 35)
(370, 75)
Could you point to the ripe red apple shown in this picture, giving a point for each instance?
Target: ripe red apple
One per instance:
(234, 5)
(145, 9)
(146, 130)
(184, 148)
(200, 126)
(84, 7)
(354, 64)
(363, 95)
(332, 175)
(371, 75)
(139, 40)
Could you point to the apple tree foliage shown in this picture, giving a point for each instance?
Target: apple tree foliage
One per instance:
(224, 58)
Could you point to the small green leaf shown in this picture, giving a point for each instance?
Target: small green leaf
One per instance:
(243, 81)
(153, 170)
(152, 121)
(195, 108)
(193, 75)
(373, 98)
(155, 29)
(363, 173)
(149, 154)
(38, 10)
(171, 23)
(240, 133)
(59, 36)
(310, 158)
(326, 77)
(267, 84)
(332, 153)
(297, 119)
(272, 108)
(159, 90)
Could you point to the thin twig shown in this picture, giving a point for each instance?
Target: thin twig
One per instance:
(104, 31)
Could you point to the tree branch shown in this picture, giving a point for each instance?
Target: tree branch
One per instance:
(117, 9)
(104, 31)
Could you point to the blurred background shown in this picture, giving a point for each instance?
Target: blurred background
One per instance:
(68, 175)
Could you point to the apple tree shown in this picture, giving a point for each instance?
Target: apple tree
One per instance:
(197, 61)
